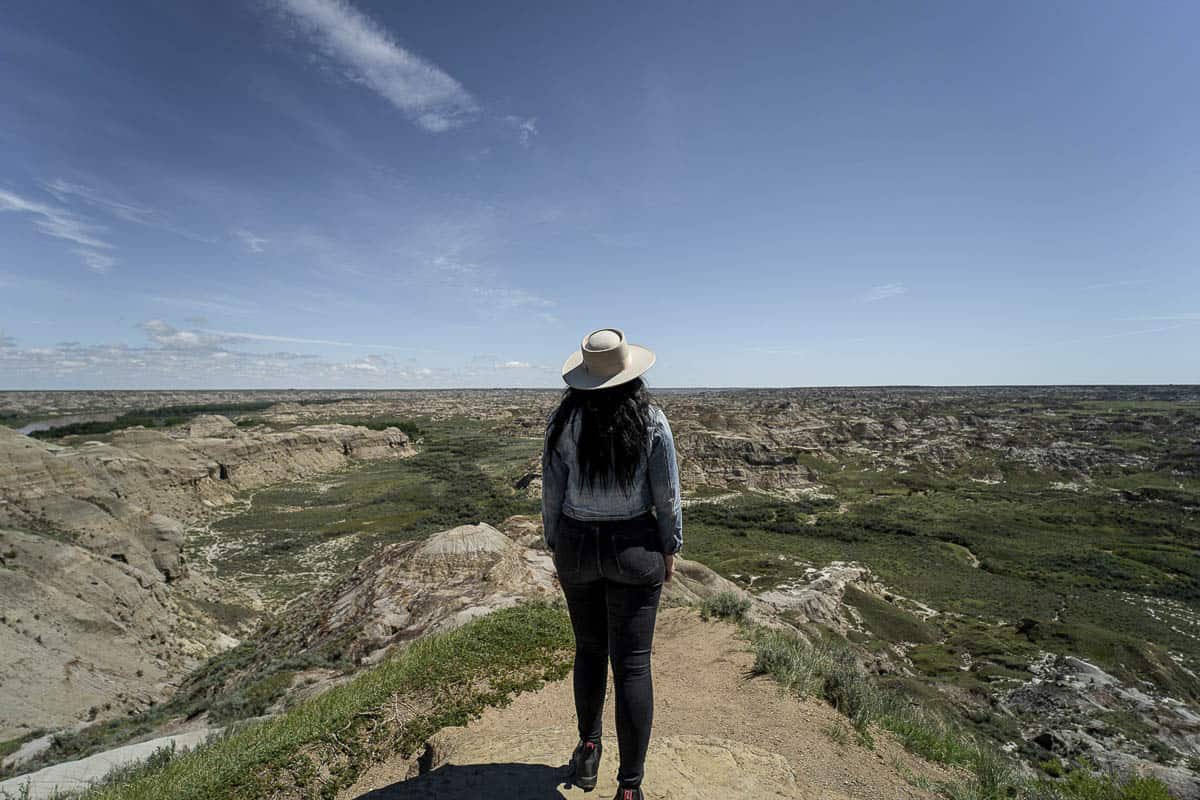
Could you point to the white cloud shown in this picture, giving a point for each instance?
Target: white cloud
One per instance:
(505, 297)
(1118, 335)
(252, 243)
(221, 304)
(64, 190)
(61, 223)
(172, 338)
(96, 262)
(365, 365)
(526, 128)
(883, 292)
(1114, 284)
(69, 191)
(177, 358)
(1164, 317)
(514, 365)
(264, 337)
(368, 54)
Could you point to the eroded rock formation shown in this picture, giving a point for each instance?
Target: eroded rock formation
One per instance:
(97, 609)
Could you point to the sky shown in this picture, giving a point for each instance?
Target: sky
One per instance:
(323, 193)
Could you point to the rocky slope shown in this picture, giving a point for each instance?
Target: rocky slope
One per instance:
(98, 611)
(411, 589)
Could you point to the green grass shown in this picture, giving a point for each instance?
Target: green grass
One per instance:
(148, 417)
(409, 426)
(827, 669)
(323, 744)
(463, 474)
(888, 621)
(1084, 558)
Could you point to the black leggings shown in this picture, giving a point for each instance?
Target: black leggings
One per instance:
(611, 572)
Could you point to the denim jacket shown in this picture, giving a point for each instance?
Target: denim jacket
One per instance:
(655, 486)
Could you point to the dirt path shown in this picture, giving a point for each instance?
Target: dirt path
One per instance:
(718, 733)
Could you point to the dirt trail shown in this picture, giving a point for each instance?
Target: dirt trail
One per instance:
(719, 732)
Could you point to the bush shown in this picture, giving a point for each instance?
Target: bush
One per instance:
(726, 605)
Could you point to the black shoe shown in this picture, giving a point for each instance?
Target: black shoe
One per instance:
(628, 793)
(585, 762)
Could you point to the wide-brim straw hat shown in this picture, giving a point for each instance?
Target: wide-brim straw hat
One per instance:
(605, 359)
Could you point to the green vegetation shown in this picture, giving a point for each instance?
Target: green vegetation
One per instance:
(828, 669)
(1073, 570)
(10, 746)
(163, 417)
(888, 621)
(726, 605)
(1095, 558)
(409, 426)
(321, 745)
(463, 474)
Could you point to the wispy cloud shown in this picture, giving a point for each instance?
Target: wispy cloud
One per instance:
(64, 191)
(626, 241)
(369, 55)
(61, 223)
(264, 337)
(176, 358)
(172, 338)
(1164, 318)
(1113, 284)
(96, 261)
(526, 128)
(219, 304)
(1104, 336)
(73, 192)
(883, 292)
(251, 242)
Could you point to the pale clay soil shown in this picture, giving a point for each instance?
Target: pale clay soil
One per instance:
(719, 732)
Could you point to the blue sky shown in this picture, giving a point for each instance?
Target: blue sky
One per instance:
(276, 193)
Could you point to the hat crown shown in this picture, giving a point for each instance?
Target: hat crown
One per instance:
(603, 339)
(605, 352)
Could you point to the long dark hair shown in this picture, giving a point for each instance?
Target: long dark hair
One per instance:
(613, 425)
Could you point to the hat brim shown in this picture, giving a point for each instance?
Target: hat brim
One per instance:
(577, 376)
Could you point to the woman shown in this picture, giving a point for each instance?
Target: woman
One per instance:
(612, 517)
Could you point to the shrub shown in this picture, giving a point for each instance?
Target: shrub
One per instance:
(726, 605)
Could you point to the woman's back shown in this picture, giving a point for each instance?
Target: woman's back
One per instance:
(651, 479)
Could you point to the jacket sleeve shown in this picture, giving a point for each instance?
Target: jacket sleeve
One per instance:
(554, 487)
(664, 486)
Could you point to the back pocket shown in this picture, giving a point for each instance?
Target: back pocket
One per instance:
(637, 555)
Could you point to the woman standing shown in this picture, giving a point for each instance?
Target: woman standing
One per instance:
(612, 517)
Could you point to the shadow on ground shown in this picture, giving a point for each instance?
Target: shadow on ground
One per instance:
(471, 781)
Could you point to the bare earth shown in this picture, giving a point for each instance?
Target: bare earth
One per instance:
(719, 732)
